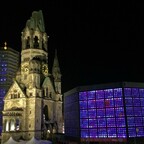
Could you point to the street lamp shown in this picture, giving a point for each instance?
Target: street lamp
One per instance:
(136, 136)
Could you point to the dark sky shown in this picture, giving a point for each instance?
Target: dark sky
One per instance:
(97, 42)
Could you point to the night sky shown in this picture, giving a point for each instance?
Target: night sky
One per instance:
(97, 42)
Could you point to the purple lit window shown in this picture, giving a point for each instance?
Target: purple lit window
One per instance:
(138, 121)
(119, 112)
(83, 114)
(129, 111)
(110, 112)
(142, 108)
(130, 121)
(91, 94)
(111, 122)
(83, 104)
(99, 94)
(131, 132)
(121, 132)
(118, 102)
(92, 123)
(108, 93)
(128, 101)
(135, 92)
(141, 91)
(120, 122)
(84, 123)
(118, 92)
(136, 102)
(100, 103)
(84, 133)
(100, 113)
(82, 96)
(101, 122)
(111, 132)
(109, 102)
(140, 131)
(127, 91)
(91, 104)
(102, 133)
(137, 111)
(92, 113)
(142, 101)
(93, 133)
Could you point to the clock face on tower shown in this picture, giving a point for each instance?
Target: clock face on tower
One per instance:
(25, 68)
(45, 69)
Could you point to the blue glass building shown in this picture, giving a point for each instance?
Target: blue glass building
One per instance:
(105, 113)
(9, 63)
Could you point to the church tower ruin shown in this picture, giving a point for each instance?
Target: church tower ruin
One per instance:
(33, 104)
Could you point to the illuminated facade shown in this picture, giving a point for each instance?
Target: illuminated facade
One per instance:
(105, 113)
(9, 63)
(33, 104)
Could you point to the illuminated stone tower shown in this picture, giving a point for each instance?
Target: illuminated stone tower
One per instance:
(33, 104)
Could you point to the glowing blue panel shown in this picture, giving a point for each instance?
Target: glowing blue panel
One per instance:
(82, 96)
(110, 112)
(92, 113)
(119, 112)
(93, 133)
(118, 102)
(84, 123)
(118, 92)
(141, 92)
(92, 123)
(100, 112)
(83, 104)
(108, 93)
(111, 132)
(130, 121)
(120, 122)
(137, 111)
(121, 132)
(83, 114)
(91, 94)
(131, 131)
(91, 104)
(111, 122)
(128, 101)
(129, 111)
(127, 91)
(99, 94)
(102, 133)
(136, 102)
(101, 122)
(84, 133)
(138, 121)
(100, 103)
(135, 92)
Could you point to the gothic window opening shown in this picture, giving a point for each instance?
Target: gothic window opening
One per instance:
(36, 42)
(46, 115)
(12, 125)
(6, 125)
(28, 42)
(17, 124)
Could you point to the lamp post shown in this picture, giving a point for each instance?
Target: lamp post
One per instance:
(135, 141)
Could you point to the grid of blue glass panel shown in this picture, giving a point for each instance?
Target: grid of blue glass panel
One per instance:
(102, 114)
(134, 103)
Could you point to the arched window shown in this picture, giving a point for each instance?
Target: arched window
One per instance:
(12, 125)
(46, 114)
(6, 125)
(17, 124)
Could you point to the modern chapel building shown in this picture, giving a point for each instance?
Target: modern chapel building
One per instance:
(105, 113)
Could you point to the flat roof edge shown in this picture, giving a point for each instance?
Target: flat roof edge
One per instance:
(105, 86)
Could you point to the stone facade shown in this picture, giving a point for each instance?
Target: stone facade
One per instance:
(33, 104)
